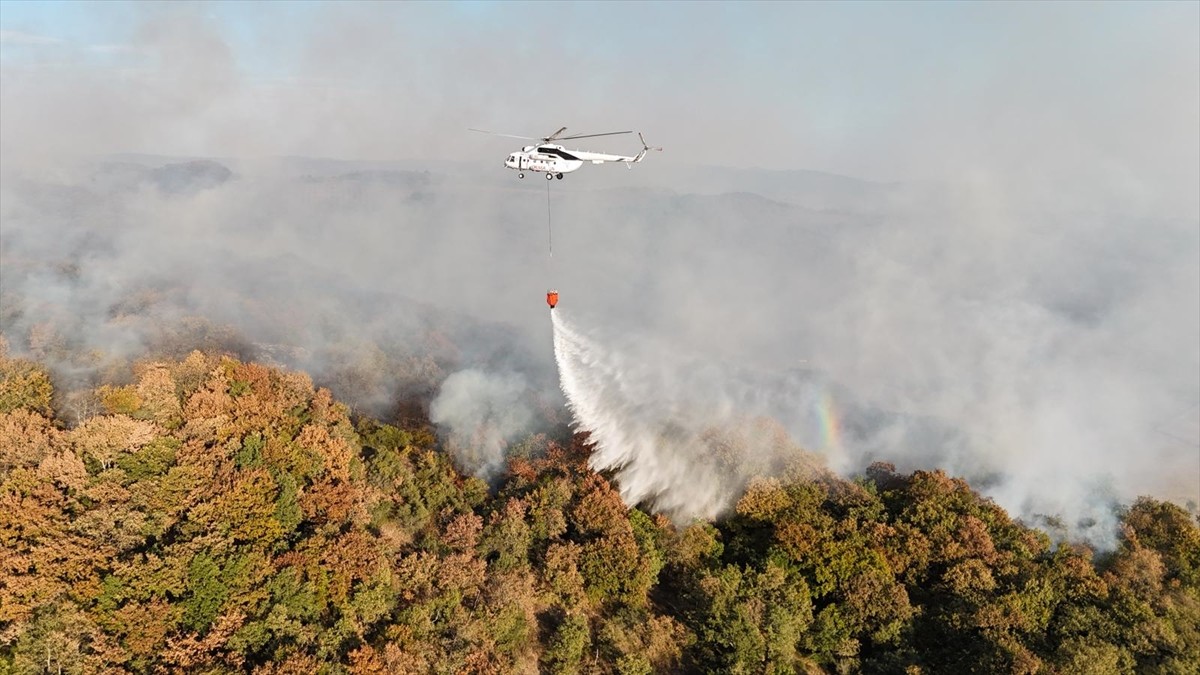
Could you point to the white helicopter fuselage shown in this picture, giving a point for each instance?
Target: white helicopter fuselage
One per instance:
(543, 159)
(555, 160)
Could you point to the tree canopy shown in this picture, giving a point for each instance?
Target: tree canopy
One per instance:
(217, 516)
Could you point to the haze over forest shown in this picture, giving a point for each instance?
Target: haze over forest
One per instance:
(1008, 290)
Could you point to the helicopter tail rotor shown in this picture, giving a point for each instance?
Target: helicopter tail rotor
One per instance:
(646, 147)
(641, 155)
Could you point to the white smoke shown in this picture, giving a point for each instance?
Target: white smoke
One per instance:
(684, 437)
(1022, 309)
(479, 414)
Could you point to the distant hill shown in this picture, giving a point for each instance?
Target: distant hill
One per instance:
(179, 177)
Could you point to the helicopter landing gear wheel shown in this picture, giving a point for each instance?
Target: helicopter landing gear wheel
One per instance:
(520, 175)
(549, 176)
(558, 176)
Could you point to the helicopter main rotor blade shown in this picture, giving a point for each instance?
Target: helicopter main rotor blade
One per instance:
(609, 133)
(553, 136)
(527, 138)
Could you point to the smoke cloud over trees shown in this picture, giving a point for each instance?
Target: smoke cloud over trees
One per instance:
(1018, 307)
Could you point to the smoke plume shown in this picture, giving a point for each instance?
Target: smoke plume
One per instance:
(481, 413)
(980, 254)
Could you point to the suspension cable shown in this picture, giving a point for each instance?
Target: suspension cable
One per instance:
(549, 228)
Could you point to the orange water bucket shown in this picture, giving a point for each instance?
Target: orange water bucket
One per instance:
(552, 298)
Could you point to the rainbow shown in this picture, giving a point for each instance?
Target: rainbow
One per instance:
(831, 426)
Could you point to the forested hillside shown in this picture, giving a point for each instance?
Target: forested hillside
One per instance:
(220, 516)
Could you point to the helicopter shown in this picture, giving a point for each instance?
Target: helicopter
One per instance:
(554, 160)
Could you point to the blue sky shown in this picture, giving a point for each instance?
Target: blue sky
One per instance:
(752, 31)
